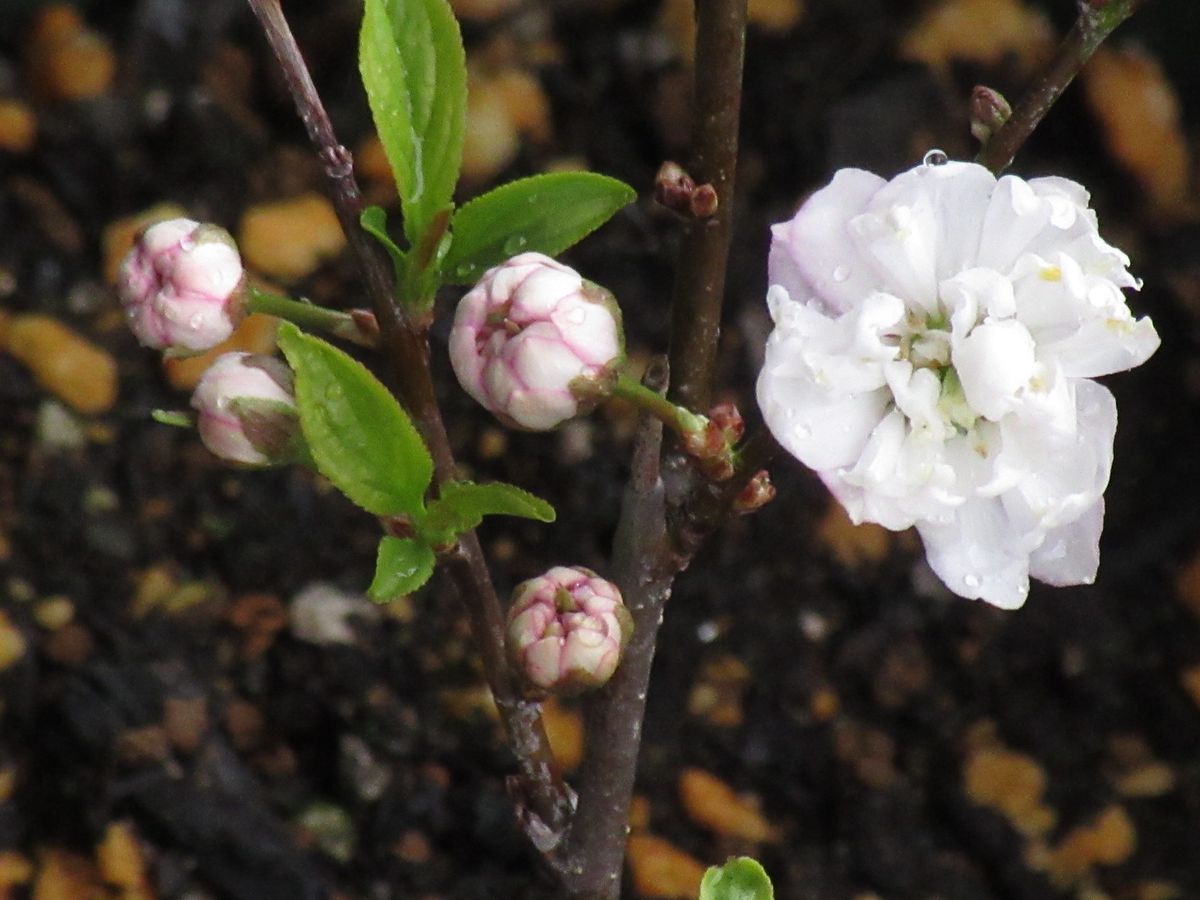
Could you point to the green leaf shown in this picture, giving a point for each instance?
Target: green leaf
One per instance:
(461, 505)
(401, 566)
(413, 67)
(373, 220)
(739, 879)
(359, 437)
(544, 213)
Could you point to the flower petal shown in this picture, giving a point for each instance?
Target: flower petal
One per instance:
(1103, 346)
(823, 430)
(1070, 554)
(813, 255)
(979, 555)
(995, 362)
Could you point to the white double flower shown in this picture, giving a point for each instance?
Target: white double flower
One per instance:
(935, 336)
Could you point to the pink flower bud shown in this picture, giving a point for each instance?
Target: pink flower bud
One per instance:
(535, 344)
(247, 410)
(181, 286)
(566, 630)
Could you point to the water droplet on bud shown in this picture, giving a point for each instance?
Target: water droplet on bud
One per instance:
(840, 274)
(972, 581)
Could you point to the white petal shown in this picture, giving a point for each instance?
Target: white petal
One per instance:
(1064, 474)
(960, 193)
(824, 430)
(1071, 554)
(1045, 214)
(813, 256)
(1103, 346)
(898, 235)
(994, 362)
(979, 555)
(917, 395)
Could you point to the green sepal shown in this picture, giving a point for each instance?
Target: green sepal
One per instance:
(739, 879)
(401, 566)
(543, 213)
(461, 506)
(272, 427)
(359, 436)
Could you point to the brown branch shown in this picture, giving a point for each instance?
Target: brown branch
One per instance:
(1097, 20)
(646, 556)
(548, 800)
(643, 568)
(700, 271)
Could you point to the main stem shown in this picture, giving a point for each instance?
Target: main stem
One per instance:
(646, 556)
(545, 798)
(1097, 20)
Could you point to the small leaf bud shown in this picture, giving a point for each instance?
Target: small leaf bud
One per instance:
(989, 111)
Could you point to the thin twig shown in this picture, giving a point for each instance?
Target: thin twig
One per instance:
(1097, 20)
(700, 271)
(547, 798)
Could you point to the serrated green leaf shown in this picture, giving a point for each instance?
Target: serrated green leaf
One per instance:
(461, 505)
(373, 220)
(359, 436)
(414, 70)
(739, 879)
(543, 213)
(401, 566)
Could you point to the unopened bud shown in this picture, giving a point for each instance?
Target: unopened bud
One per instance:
(712, 444)
(675, 189)
(247, 411)
(989, 111)
(181, 286)
(757, 493)
(566, 630)
(536, 344)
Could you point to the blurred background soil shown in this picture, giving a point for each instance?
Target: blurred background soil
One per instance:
(196, 701)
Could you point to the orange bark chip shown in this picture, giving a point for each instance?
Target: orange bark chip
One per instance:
(288, 239)
(564, 728)
(1139, 111)
(63, 362)
(713, 804)
(660, 869)
(982, 31)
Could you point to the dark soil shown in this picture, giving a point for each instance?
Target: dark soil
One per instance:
(869, 686)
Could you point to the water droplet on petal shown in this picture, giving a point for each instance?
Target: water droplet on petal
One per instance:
(196, 320)
(972, 581)
(935, 157)
(840, 274)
